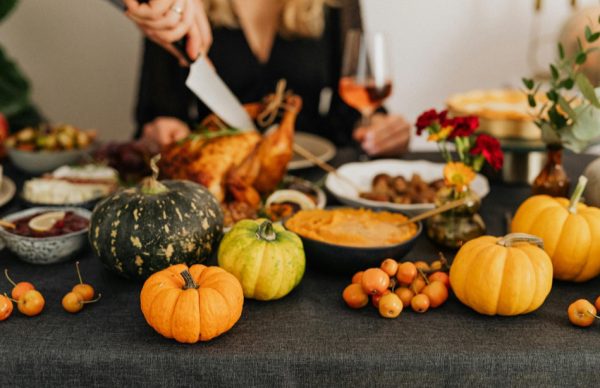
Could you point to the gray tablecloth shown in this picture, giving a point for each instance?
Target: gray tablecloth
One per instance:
(309, 338)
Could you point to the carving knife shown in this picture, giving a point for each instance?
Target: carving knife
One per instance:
(206, 84)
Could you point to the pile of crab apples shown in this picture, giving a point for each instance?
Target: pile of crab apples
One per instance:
(583, 313)
(395, 286)
(30, 302)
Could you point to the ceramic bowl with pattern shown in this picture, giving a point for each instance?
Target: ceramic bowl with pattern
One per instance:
(45, 250)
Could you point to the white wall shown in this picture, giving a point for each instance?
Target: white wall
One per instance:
(82, 55)
(442, 47)
(82, 59)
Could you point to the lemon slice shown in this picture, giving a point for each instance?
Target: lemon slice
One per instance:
(294, 196)
(45, 222)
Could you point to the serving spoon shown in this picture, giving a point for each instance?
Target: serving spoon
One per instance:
(306, 154)
(438, 210)
(329, 168)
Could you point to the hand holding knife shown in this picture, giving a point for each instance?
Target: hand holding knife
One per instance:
(203, 80)
(179, 26)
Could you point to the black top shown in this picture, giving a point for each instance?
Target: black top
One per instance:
(308, 65)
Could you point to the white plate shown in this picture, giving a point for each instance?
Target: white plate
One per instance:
(362, 173)
(7, 190)
(322, 148)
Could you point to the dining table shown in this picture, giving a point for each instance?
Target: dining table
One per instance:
(308, 338)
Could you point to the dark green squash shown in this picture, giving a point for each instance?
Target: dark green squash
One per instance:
(144, 229)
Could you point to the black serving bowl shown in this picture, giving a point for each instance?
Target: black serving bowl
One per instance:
(345, 259)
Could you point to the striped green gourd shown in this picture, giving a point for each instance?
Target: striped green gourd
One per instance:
(266, 258)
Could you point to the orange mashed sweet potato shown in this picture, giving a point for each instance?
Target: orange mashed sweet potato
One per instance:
(352, 227)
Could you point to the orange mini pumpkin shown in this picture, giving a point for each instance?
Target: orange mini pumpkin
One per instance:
(510, 275)
(192, 304)
(570, 230)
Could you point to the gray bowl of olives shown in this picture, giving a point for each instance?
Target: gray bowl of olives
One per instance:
(36, 150)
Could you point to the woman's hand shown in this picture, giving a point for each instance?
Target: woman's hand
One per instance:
(388, 135)
(164, 131)
(167, 21)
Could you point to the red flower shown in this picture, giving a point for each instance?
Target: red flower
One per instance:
(442, 118)
(426, 119)
(463, 126)
(489, 147)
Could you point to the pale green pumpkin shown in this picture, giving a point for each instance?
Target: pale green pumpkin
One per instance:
(266, 258)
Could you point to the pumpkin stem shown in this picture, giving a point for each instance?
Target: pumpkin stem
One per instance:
(151, 185)
(189, 281)
(576, 197)
(266, 232)
(512, 238)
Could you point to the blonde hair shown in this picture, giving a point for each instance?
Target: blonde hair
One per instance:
(299, 18)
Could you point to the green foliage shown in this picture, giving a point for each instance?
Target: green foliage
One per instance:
(581, 58)
(15, 101)
(5, 7)
(567, 84)
(565, 119)
(554, 72)
(585, 87)
(529, 84)
(204, 133)
(590, 36)
(14, 88)
(561, 51)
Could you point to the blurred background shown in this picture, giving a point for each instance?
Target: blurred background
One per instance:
(82, 57)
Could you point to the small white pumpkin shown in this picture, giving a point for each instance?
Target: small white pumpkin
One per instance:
(592, 190)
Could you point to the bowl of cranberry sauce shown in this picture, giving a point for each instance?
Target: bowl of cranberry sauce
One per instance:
(70, 222)
(47, 235)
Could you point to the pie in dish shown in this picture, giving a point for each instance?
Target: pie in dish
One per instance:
(71, 185)
(504, 113)
(352, 227)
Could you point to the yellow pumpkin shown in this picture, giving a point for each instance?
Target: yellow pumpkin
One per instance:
(570, 230)
(510, 275)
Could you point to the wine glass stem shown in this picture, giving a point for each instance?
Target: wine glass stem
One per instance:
(365, 118)
(365, 121)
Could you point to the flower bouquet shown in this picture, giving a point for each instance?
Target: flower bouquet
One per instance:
(455, 227)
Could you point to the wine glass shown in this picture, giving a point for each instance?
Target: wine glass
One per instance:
(366, 75)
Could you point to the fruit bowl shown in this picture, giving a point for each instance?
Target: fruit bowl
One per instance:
(45, 250)
(39, 162)
(44, 147)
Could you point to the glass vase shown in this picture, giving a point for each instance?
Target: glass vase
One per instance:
(453, 228)
(553, 179)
